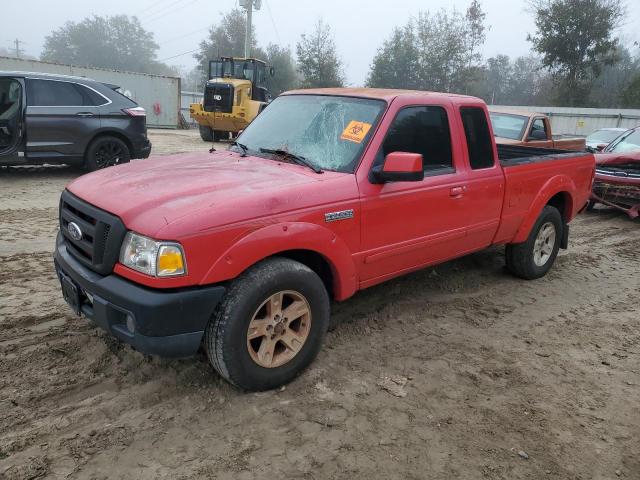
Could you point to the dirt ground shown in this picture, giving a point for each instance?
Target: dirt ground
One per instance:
(459, 371)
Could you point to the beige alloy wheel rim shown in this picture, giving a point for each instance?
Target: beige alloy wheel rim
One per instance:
(544, 244)
(279, 329)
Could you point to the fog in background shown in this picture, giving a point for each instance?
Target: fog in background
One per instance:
(359, 28)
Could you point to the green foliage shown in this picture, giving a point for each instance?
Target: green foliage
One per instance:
(318, 60)
(439, 51)
(285, 77)
(631, 95)
(117, 42)
(226, 39)
(576, 41)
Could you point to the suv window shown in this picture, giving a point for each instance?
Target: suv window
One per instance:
(53, 93)
(423, 130)
(476, 130)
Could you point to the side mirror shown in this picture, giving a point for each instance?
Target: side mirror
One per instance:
(601, 147)
(537, 135)
(400, 167)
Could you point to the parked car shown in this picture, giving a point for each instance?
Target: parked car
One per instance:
(61, 119)
(617, 180)
(599, 139)
(327, 192)
(530, 129)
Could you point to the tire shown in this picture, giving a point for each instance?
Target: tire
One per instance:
(248, 306)
(105, 152)
(219, 135)
(535, 257)
(206, 133)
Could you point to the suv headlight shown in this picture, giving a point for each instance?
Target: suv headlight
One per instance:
(157, 259)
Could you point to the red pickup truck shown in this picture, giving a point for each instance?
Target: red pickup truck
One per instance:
(327, 192)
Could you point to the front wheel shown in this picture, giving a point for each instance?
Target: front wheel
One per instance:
(206, 133)
(535, 257)
(270, 325)
(105, 152)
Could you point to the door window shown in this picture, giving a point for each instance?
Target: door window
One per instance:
(476, 130)
(538, 130)
(53, 93)
(10, 100)
(423, 130)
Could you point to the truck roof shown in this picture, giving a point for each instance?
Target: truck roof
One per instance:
(378, 93)
(515, 111)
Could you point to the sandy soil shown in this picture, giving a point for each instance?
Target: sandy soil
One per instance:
(460, 371)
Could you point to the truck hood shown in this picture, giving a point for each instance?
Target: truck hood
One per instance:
(150, 195)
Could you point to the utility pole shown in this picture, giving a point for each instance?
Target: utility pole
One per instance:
(249, 5)
(17, 43)
(247, 37)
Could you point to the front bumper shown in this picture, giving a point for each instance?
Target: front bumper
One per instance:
(168, 323)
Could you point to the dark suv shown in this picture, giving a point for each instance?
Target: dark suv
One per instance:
(60, 119)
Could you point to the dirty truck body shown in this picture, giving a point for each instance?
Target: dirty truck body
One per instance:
(531, 129)
(242, 251)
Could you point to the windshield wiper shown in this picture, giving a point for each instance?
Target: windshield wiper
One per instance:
(244, 148)
(299, 159)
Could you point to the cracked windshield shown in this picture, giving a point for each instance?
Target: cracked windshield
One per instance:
(328, 132)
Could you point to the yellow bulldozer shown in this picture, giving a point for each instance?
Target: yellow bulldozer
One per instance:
(234, 95)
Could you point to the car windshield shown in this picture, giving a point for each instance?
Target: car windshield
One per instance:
(626, 143)
(603, 136)
(508, 125)
(328, 132)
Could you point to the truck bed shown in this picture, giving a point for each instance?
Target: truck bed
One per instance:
(510, 155)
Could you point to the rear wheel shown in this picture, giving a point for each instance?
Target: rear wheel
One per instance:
(206, 133)
(535, 257)
(105, 152)
(270, 325)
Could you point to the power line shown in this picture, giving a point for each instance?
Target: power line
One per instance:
(149, 7)
(184, 36)
(167, 11)
(179, 55)
(266, 2)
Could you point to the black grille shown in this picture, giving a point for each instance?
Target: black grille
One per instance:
(102, 233)
(218, 97)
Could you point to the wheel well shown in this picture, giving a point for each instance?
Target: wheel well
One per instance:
(561, 201)
(110, 134)
(315, 262)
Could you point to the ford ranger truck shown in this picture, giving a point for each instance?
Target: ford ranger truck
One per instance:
(326, 193)
(531, 129)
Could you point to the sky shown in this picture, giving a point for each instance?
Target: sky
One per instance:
(359, 27)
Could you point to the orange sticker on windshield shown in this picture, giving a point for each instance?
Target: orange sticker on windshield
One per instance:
(356, 131)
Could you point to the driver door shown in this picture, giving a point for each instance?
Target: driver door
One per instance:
(12, 101)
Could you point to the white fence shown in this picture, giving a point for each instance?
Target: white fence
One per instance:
(583, 121)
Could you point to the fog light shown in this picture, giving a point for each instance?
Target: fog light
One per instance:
(131, 325)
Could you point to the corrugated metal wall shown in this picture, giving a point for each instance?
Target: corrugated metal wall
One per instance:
(159, 95)
(583, 121)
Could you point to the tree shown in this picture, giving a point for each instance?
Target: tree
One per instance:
(286, 77)
(318, 60)
(227, 40)
(439, 51)
(396, 63)
(610, 88)
(498, 73)
(117, 42)
(576, 40)
(631, 96)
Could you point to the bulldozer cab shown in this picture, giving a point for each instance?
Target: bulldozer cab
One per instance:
(250, 69)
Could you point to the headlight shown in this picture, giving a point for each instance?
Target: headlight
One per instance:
(157, 259)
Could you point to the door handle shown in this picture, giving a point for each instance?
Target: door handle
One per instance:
(457, 192)
(85, 114)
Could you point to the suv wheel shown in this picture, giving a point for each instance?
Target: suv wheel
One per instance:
(219, 135)
(535, 257)
(206, 133)
(270, 325)
(105, 152)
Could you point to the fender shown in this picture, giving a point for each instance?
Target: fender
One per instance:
(555, 185)
(273, 239)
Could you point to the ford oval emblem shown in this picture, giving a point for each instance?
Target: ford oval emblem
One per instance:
(74, 231)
